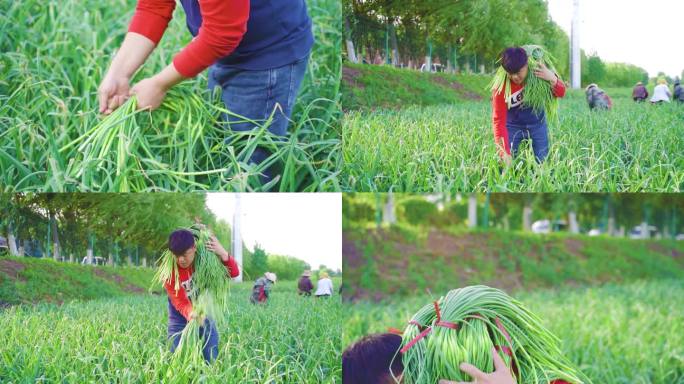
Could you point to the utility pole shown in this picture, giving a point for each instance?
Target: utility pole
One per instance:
(575, 57)
(237, 237)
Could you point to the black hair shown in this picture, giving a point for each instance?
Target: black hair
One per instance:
(369, 360)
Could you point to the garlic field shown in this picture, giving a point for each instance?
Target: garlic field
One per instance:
(123, 340)
(634, 147)
(53, 56)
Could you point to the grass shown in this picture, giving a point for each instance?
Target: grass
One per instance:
(616, 333)
(440, 260)
(25, 280)
(369, 87)
(450, 147)
(290, 340)
(52, 138)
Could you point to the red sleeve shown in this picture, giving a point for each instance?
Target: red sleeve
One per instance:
(499, 112)
(559, 88)
(223, 25)
(179, 299)
(231, 266)
(151, 18)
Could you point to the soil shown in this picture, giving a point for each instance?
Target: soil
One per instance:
(12, 268)
(458, 87)
(349, 76)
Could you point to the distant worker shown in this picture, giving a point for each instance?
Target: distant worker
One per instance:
(262, 288)
(305, 285)
(678, 92)
(661, 93)
(639, 93)
(597, 98)
(324, 286)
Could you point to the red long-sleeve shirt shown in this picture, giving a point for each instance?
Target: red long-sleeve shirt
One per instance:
(224, 22)
(500, 112)
(180, 299)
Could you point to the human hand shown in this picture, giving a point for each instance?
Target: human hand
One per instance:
(195, 316)
(545, 73)
(501, 374)
(215, 246)
(149, 93)
(112, 92)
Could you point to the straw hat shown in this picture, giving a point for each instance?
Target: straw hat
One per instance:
(271, 276)
(324, 275)
(307, 273)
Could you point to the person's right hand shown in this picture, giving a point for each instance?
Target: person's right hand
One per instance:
(195, 316)
(113, 92)
(501, 374)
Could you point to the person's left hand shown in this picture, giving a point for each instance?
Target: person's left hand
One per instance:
(545, 73)
(149, 93)
(216, 247)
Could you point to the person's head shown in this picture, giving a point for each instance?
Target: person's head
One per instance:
(676, 82)
(182, 245)
(640, 83)
(369, 360)
(306, 273)
(662, 81)
(270, 276)
(514, 61)
(324, 275)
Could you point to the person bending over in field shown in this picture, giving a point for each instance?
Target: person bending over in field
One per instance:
(513, 121)
(371, 361)
(182, 245)
(324, 286)
(639, 93)
(262, 288)
(597, 98)
(678, 92)
(304, 285)
(256, 51)
(661, 93)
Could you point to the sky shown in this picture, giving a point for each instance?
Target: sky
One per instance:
(307, 226)
(645, 33)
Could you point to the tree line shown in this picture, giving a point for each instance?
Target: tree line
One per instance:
(124, 229)
(608, 214)
(465, 36)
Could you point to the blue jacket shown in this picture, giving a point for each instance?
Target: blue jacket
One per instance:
(278, 33)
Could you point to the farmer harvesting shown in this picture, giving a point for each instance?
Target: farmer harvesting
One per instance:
(304, 285)
(324, 286)
(523, 96)
(182, 245)
(262, 288)
(678, 92)
(257, 52)
(661, 93)
(597, 98)
(639, 93)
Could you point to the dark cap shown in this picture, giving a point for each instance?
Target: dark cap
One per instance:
(180, 241)
(513, 59)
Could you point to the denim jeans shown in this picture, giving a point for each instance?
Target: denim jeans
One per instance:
(538, 133)
(255, 94)
(208, 333)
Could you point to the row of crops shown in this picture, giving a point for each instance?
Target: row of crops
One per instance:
(290, 340)
(634, 147)
(628, 333)
(53, 56)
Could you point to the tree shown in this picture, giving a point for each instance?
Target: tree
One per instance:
(259, 261)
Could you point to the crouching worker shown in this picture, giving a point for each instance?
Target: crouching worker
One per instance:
(182, 245)
(597, 98)
(304, 285)
(262, 288)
